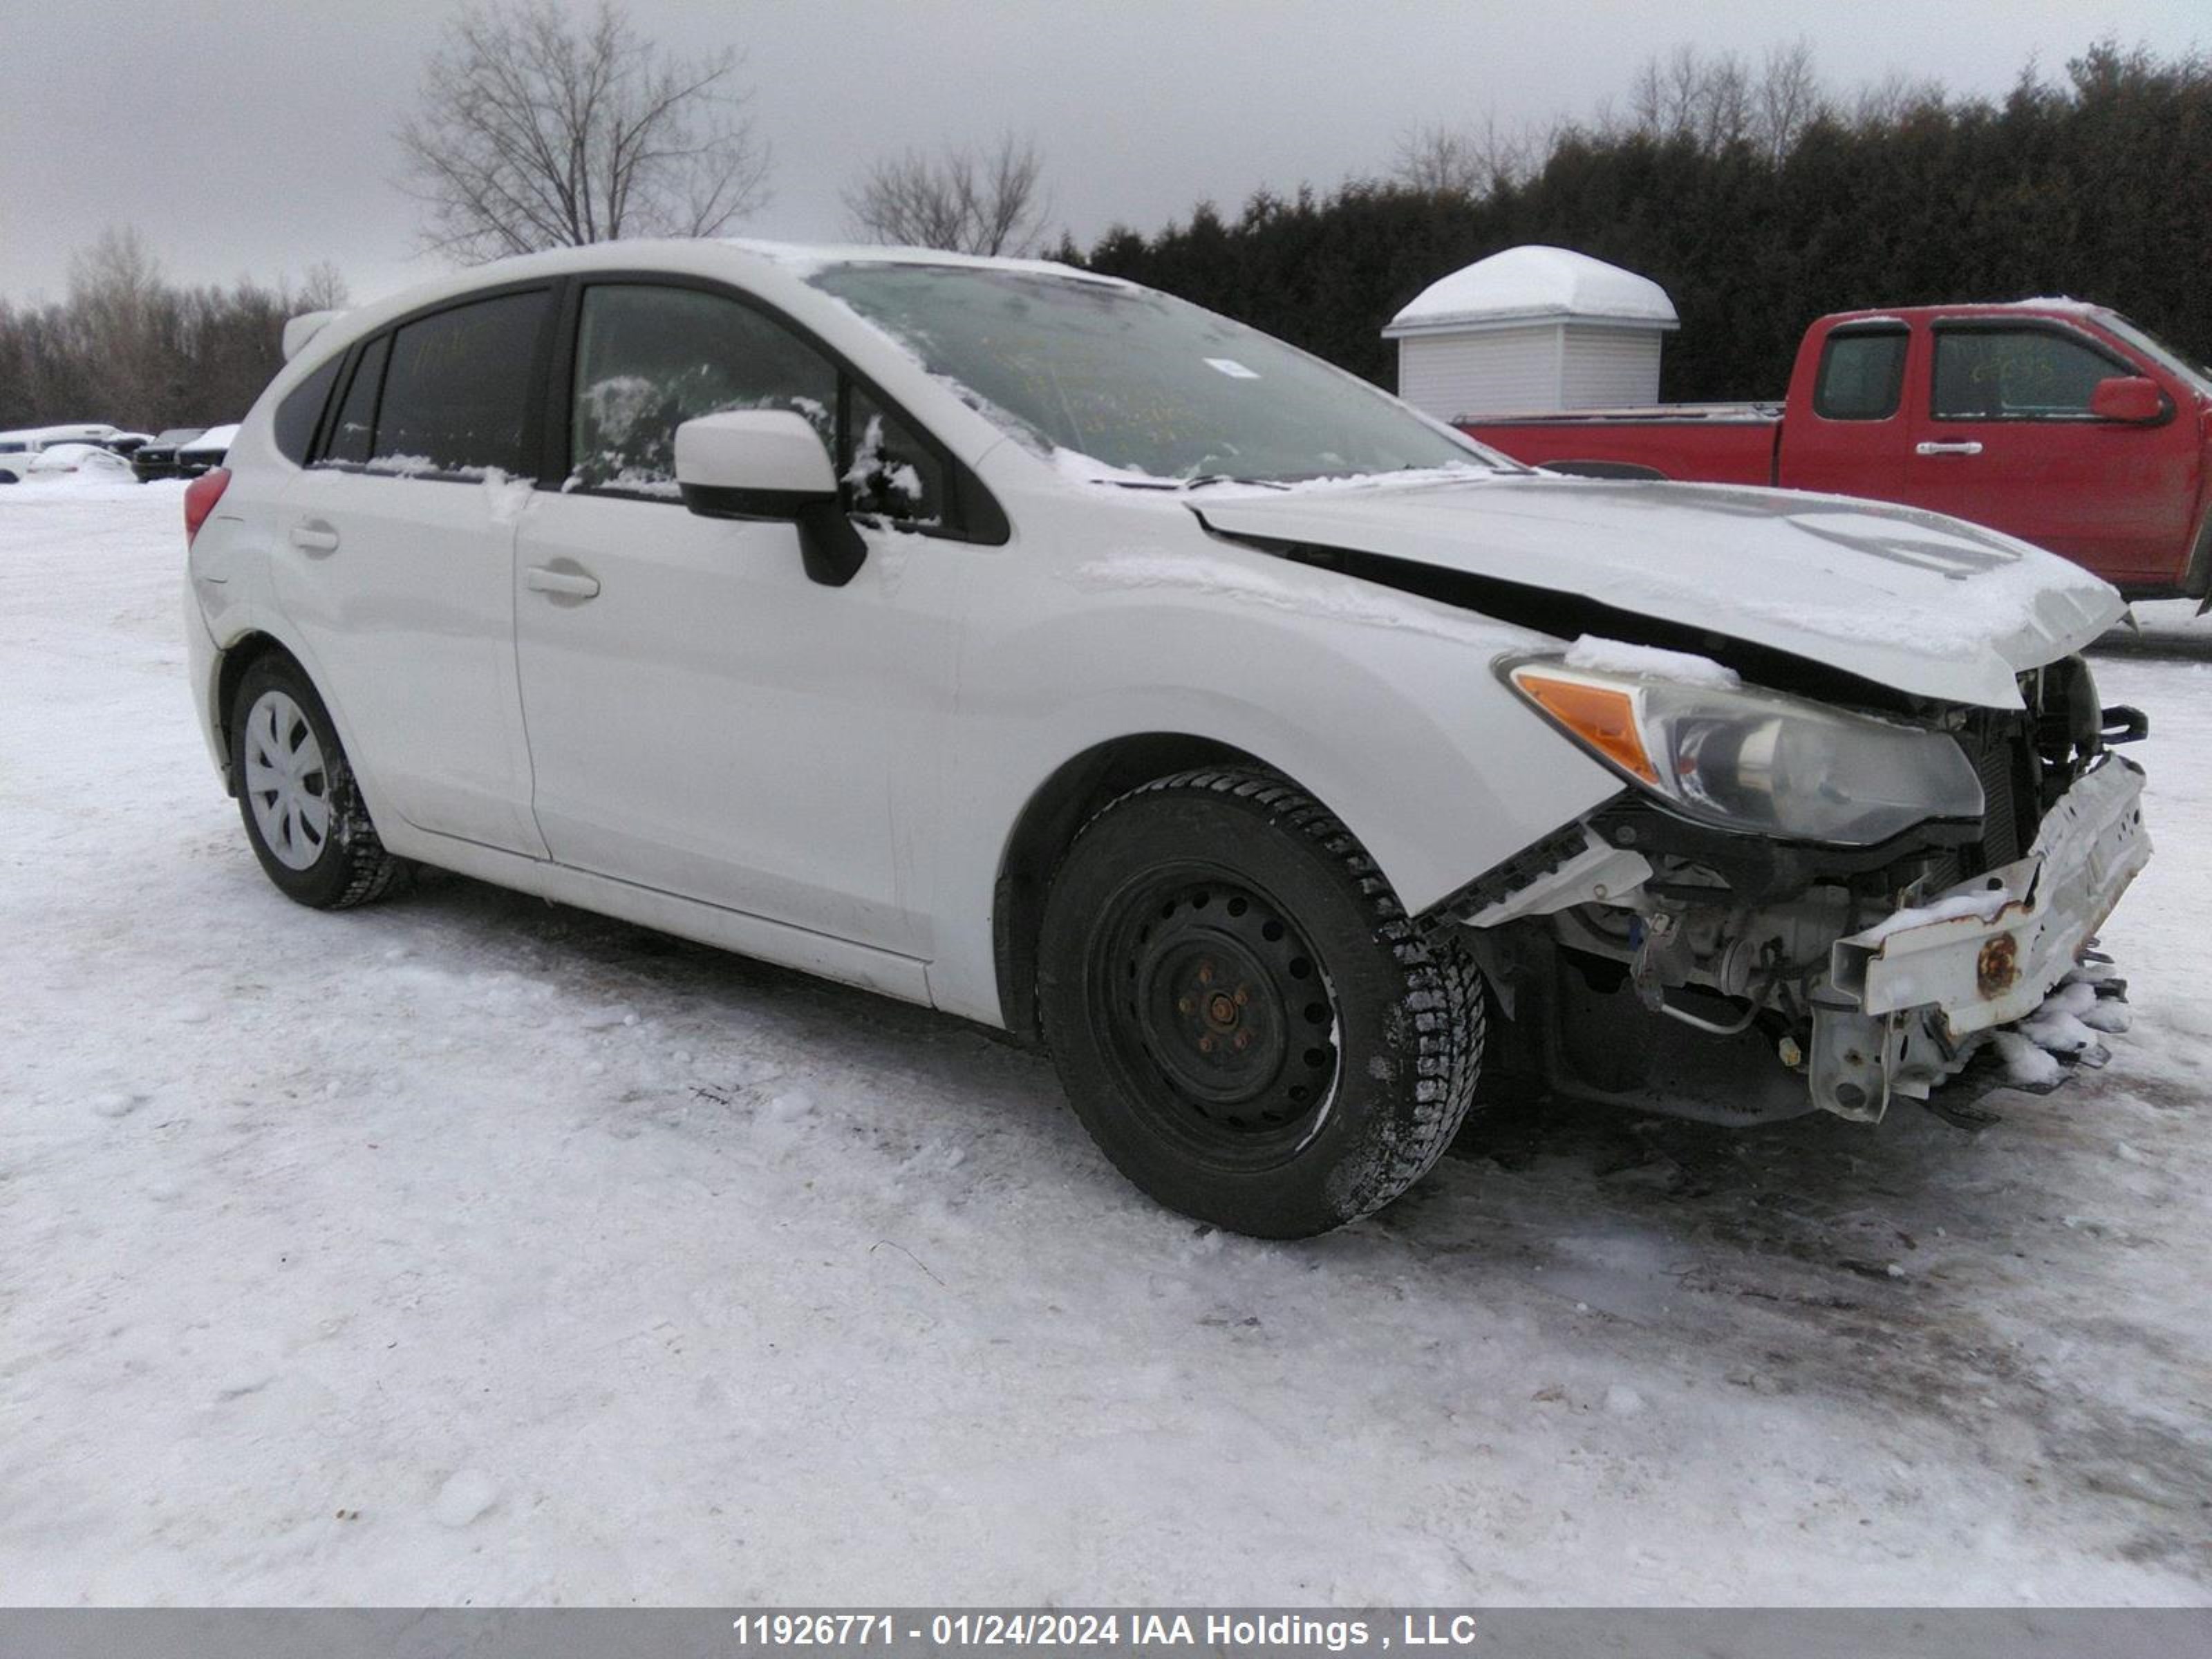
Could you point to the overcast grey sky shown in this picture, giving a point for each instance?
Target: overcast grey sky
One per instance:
(254, 137)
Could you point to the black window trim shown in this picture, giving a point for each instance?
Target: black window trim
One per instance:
(327, 432)
(337, 363)
(1872, 326)
(2111, 353)
(531, 443)
(973, 514)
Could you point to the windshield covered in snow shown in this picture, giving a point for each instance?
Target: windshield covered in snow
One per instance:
(1150, 389)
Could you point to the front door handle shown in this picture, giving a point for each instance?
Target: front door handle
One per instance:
(313, 536)
(1966, 448)
(573, 584)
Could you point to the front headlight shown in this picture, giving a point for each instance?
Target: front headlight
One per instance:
(1757, 760)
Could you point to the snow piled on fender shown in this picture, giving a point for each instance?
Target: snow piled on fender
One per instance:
(1603, 656)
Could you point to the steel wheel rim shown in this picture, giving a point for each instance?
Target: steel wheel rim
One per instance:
(1188, 962)
(286, 780)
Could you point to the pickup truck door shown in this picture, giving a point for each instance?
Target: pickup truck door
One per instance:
(1850, 436)
(2003, 435)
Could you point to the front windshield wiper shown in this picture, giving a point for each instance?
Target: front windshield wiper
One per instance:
(1231, 477)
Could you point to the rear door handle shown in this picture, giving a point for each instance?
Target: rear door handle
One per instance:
(576, 583)
(314, 537)
(1966, 448)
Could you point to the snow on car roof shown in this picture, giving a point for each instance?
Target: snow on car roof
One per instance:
(803, 258)
(215, 437)
(75, 430)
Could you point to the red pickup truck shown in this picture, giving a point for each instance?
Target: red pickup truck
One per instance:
(2059, 423)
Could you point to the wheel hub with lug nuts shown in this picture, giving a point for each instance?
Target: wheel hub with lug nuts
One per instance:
(1226, 1010)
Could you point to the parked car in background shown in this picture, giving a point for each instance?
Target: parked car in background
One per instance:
(88, 460)
(158, 459)
(1023, 642)
(127, 444)
(19, 447)
(204, 453)
(2060, 423)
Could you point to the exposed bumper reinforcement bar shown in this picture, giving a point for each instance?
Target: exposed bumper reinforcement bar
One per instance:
(1904, 998)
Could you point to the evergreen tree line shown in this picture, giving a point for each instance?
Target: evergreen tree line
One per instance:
(128, 348)
(1759, 203)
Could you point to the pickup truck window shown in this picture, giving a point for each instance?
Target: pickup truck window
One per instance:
(1861, 374)
(2015, 374)
(2159, 352)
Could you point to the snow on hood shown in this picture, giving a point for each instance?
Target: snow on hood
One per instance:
(1931, 605)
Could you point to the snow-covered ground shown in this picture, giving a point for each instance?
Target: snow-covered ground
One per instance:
(465, 1250)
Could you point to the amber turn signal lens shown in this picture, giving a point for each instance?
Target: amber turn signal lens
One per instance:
(1602, 716)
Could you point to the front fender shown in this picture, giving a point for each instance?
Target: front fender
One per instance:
(1382, 705)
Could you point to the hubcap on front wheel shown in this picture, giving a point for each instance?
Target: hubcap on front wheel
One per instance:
(287, 786)
(1221, 1016)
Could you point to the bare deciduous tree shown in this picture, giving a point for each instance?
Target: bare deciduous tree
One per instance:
(534, 132)
(129, 346)
(1787, 99)
(962, 201)
(119, 303)
(323, 287)
(1688, 97)
(1444, 160)
(1712, 102)
(1889, 100)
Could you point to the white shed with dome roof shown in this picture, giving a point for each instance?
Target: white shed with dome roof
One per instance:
(1531, 331)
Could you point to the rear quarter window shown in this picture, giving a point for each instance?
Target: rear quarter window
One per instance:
(355, 429)
(1861, 374)
(301, 412)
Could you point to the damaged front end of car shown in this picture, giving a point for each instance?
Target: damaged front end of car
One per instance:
(1796, 905)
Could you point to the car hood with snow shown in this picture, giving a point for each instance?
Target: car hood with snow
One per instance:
(1928, 605)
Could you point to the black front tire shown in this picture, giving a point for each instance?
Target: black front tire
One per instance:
(346, 863)
(1240, 1012)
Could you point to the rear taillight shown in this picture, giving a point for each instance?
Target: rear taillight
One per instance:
(200, 497)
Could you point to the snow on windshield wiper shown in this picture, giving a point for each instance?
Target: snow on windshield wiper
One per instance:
(1231, 477)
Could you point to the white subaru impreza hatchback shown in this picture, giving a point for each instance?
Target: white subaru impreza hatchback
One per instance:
(1038, 646)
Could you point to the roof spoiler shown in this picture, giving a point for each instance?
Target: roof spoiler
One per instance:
(303, 328)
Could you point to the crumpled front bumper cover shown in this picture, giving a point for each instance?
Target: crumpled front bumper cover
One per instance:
(1904, 998)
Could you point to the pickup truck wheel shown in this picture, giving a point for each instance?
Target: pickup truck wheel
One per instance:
(303, 810)
(1241, 1013)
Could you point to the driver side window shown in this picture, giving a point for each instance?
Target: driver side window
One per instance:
(650, 358)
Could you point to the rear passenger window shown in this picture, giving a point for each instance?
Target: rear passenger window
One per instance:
(456, 390)
(301, 412)
(354, 429)
(650, 358)
(1862, 376)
